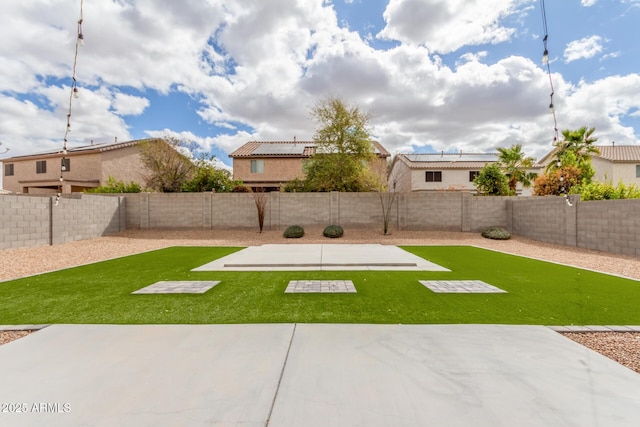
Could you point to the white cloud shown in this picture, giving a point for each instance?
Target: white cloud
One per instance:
(129, 105)
(584, 48)
(261, 65)
(588, 3)
(446, 25)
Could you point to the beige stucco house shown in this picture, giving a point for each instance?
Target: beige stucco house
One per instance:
(88, 166)
(270, 164)
(615, 163)
(441, 171)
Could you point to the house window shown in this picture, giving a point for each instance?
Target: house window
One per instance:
(257, 166)
(433, 176)
(8, 169)
(65, 165)
(41, 166)
(473, 175)
(637, 171)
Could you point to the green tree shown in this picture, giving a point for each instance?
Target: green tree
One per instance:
(515, 164)
(491, 181)
(343, 148)
(208, 178)
(167, 168)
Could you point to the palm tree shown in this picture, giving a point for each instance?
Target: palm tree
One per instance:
(515, 164)
(580, 143)
(576, 150)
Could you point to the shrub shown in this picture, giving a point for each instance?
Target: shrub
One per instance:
(333, 231)
(294, 232)
(496, 233)
(113, 186)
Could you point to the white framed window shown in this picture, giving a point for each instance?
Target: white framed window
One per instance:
(637, 171)
(257, 166)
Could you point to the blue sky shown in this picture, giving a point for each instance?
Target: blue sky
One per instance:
(436, 74)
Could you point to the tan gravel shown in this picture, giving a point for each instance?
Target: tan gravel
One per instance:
(8, 336)
(20, 262)
(623, 347)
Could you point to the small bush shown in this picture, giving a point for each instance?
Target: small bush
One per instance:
(333, 231)
(294, 232)
(496, 233)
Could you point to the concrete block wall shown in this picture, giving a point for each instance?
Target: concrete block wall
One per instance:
(235, 210)
(24, 221)
(480, 213)
(304, 209)
(609, 226)
(36, 220)
(359, 210)
(86, 217)
(431, 211)
(549, 219)
(177, 210)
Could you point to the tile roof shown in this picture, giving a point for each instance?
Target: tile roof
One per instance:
(620, 153)
(84, 148)
(280, 149)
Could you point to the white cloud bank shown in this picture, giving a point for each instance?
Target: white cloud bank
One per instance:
(261, 65)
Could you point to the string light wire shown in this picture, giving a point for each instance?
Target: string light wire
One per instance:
(73, 93)
(546, 62)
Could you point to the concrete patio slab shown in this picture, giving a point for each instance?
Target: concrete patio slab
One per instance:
(312, 375)
(144, 375)
(334, 257)
(450, 375)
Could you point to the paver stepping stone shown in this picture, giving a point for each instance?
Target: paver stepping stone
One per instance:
(178, 287)
(320, 286)
(461, 287)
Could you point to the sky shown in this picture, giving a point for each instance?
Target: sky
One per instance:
(436, 75)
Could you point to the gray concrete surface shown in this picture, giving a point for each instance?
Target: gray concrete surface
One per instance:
(312, 375)
(342, 257)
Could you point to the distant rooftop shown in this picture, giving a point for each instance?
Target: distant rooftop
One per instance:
(449, 160)
(84, 148)
(620, 153)
(288, 149)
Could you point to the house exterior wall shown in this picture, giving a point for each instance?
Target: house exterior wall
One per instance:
(123, 164)
(278, 170)
(615, 171)
(452, 179)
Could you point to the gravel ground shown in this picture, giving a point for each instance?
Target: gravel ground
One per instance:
(20, 262)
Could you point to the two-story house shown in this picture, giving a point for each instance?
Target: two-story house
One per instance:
(270, 164)
(441, 171)
(85, 167)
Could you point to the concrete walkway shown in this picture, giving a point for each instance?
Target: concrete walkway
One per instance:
(311, 375)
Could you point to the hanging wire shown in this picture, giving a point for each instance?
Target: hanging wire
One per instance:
(545, 61)
(73, 93)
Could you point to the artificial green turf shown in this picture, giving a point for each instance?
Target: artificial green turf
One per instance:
(538, 293)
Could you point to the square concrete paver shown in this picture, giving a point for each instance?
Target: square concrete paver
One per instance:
(320, 286)
(178, 287)
(461, 287)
